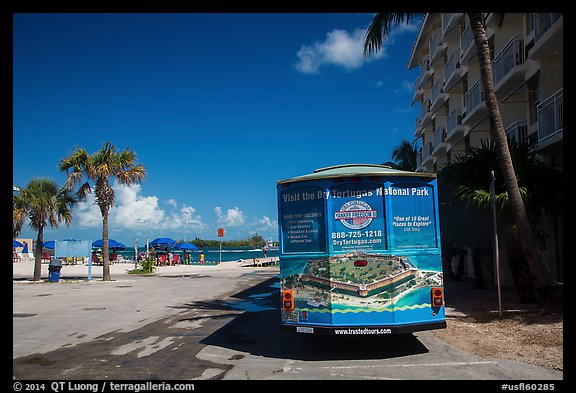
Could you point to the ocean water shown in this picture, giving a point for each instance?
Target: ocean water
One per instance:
(213, 254)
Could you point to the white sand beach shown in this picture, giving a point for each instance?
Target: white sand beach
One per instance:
(24, 270)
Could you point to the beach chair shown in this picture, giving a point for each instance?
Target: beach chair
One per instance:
(162, 259)
(176, 259)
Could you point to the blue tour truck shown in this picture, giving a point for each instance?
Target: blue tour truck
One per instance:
(360, 251)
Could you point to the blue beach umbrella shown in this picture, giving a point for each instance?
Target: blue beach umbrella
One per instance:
(187, 247)
(163, 242)
(112, 244)
(49, 244)
(16, 243)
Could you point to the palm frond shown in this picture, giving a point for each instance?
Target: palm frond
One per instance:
(380, 29)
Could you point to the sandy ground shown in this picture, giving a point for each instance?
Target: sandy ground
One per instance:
(24, 270)
(525, 332)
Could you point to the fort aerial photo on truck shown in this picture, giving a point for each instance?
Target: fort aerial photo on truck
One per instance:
(359, 279)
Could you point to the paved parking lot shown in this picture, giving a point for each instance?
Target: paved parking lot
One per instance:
(211, 323)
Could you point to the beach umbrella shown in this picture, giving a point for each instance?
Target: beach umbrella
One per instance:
(49, 244)
(16, 243)
(112, 244)
(163, 242)
(187, 247)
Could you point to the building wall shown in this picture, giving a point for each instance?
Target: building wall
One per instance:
(541, 77)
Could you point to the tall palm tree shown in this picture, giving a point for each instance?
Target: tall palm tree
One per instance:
(43, 203)
(542, 276)
(404, 157)
(98, 168)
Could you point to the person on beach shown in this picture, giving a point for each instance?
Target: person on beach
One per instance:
(201, 258)
(264, 251)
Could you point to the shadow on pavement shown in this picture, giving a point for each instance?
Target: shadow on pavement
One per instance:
(257, 331)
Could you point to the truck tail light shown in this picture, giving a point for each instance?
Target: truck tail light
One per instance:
(437, 297)
(288, 300)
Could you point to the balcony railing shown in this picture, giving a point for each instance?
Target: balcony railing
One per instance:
(435, 43)
(551, 116)
(517, 131)
(454, 118)
(466, 39)
(427, 151)
(424, 109)
(424, 67)
(449, 19)
(446, 16)
(437, 88)
(543, 22)
(439, 136)
(511, 56)
(417, 84)
(474, 96)
(452, 64)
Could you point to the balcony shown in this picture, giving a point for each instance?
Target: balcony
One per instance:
(438, 95)
(417, 90)
(467, 45)
(425, 72)
(437, 47)
(427, 158)
(475, 107)
(548, 34)
(454, 128)
(425, 114)
(509, 67)
(440, 145)
(423, 119)
(517, 131)
(551, 117)
(450, 21)
(453, 71)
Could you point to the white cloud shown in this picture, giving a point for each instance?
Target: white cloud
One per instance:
(233, 218)
(87, 214)
(267, 223)
(133, 211)
(406, 87)
(340, 48)
(343, 49)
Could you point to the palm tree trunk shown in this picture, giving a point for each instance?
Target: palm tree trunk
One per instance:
(105, 248)
(541, 275)
(38, 254)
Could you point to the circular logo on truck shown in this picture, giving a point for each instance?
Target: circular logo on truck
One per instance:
(355, 214)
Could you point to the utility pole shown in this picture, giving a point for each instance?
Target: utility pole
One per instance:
(496, 251)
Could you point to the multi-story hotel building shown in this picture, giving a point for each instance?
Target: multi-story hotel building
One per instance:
(527, 67)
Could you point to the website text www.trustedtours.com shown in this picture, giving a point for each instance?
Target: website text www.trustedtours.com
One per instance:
(363, 331)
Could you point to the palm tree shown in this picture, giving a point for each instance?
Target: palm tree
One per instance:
(542, 276)
(98, 167)
(43, 203)
(404, 157)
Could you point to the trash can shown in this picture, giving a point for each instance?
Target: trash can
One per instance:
(54, 270)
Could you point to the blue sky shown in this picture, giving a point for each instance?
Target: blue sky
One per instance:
(217, 107)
